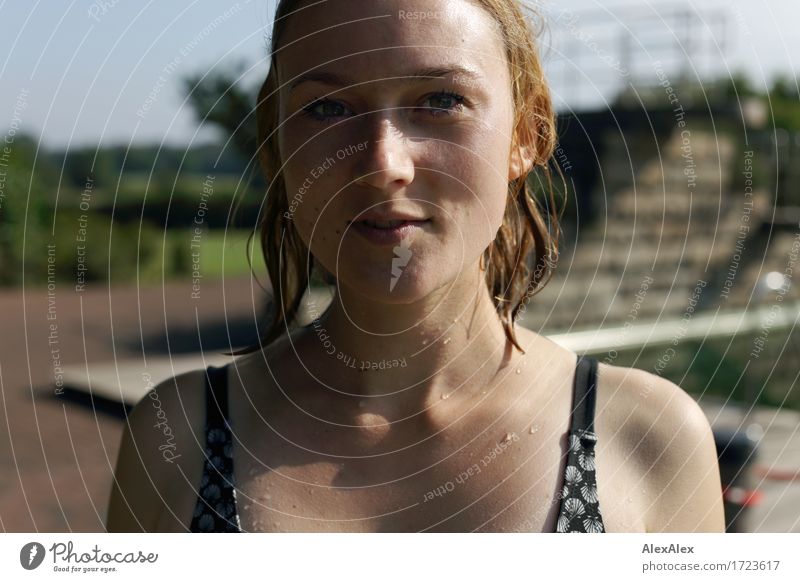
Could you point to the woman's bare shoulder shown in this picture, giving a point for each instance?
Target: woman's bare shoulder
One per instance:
(666, 434)
(159, 450)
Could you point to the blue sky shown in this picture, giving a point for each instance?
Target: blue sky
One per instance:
(84, 72)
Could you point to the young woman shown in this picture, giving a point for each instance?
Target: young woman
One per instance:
(397, 136)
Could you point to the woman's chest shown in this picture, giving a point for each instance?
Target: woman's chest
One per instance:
(512, 482)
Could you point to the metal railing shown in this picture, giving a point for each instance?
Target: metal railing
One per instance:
(592, 55)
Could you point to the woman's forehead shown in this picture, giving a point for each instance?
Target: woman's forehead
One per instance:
(390, 38)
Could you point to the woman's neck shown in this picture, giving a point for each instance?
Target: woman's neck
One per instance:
(401, 358)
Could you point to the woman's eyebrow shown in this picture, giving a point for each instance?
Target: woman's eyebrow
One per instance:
(420, 75)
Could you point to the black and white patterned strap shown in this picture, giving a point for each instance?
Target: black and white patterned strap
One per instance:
(216, 509)
(580, 505)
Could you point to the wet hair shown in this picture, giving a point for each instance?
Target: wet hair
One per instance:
(522, 241)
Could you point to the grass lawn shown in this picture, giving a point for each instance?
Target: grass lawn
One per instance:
(224, 254)
(216, 254)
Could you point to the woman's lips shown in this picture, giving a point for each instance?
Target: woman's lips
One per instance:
(389, 236)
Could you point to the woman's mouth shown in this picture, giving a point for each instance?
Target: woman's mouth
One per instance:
(390, 231)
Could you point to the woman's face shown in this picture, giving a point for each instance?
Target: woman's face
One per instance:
(360, 139)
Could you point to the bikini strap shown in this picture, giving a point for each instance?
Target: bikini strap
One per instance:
(217, 396)
(580, 505)
(584, 395)
(216, 507)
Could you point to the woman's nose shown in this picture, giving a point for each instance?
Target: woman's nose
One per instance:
(386, 163)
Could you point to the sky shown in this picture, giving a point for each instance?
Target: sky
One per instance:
(80, 72)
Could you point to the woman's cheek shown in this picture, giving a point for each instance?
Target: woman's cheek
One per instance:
(311, 224)
(481, 211)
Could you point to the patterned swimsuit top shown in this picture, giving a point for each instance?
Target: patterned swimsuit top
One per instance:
(216, 508)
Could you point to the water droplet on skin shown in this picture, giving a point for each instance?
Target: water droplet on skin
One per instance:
(424, 342)
(445, 396)
(533, 429)
(455, 320)
(447, 341)
(247, 506)
(507, 438)
(519, 371)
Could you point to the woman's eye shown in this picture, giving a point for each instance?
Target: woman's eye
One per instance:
(443, 104)
(317, 109)
(448, 103)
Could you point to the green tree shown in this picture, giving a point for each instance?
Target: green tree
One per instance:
(27, 186)
(219, 98)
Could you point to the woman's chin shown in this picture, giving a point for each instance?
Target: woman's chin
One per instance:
(387, 287)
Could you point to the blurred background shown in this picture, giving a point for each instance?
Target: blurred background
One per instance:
(129, 188)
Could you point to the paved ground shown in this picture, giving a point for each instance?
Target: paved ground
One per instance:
(57, 451)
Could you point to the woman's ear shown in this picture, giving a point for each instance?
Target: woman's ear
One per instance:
(521, 162)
